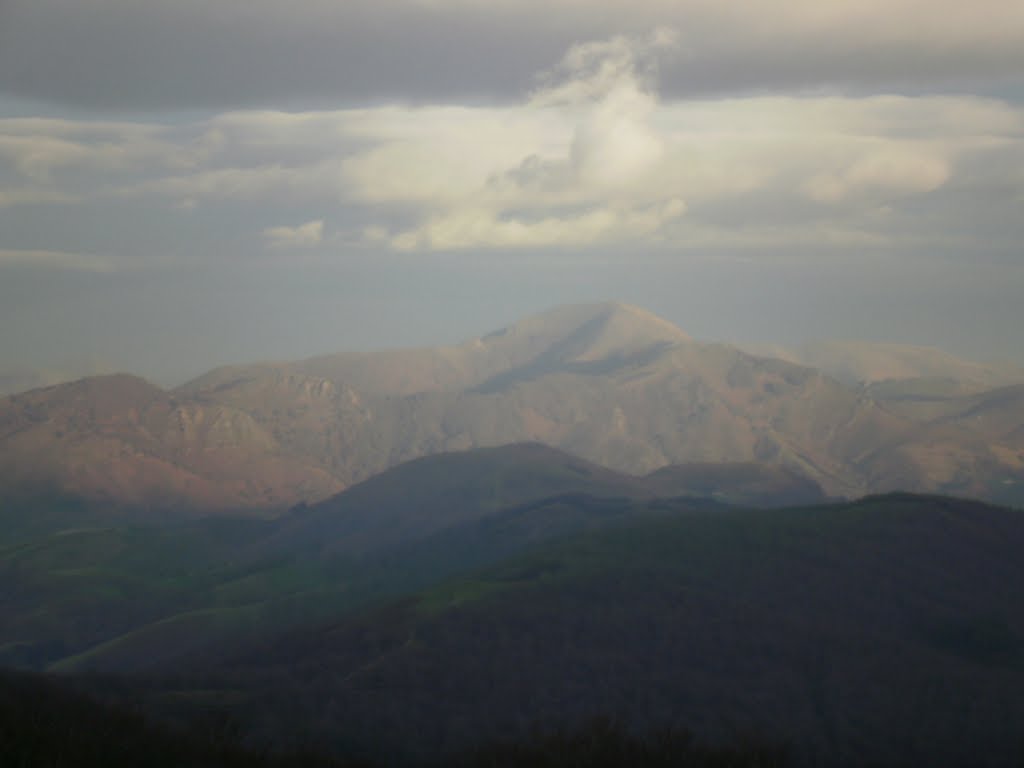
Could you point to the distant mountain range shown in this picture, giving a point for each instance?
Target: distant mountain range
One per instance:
(858, 362)
(607, 382)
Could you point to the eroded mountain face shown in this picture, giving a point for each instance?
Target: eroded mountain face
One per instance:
(607, 382)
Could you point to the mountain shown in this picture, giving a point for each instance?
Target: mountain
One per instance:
(883, 632)
(121, 440)
(46, 721)
(746, 484)
(964, 444)
(469, 597)
(126, 593)
(22, 381)
(862, 362)
(573, 334)
(607, 382)
(425, 496)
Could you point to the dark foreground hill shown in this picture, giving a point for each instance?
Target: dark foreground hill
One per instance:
(84, 591)
(46, 722)
(477, 597)
(885, 632)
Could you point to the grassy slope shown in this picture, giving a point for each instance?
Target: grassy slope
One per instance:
(884, 631)
(110, 595)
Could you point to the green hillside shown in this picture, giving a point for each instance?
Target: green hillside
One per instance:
(888, 631)
(115, 595)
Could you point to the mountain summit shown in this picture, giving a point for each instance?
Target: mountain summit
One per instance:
(585, 333)
(607, 382)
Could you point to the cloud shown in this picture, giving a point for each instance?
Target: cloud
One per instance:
(306, 235)
(39, 147)
(119, 54)
(482, 228)
(565, 171)
(267, 180)
(594, 154)
(892, 167)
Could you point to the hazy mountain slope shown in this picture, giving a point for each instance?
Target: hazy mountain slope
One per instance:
(12, 382)
(856, 362)
(997, 414)
(319, 423)
(622, 388)
(970, 446)
(121, 439)
(684, 403)
(607, 382)
(883, 632)
(582, 332)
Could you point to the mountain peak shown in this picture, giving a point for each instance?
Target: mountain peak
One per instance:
(111, 391)
(588, 332)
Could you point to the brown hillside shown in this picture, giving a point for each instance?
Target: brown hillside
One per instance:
(607, 382)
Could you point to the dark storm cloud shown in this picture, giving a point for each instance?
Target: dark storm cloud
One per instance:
(125, 54)
(157, 55)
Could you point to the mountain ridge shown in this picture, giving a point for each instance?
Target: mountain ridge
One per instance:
(607, 382)
(823, 627)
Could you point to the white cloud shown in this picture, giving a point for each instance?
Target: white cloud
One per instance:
(39, 147)
(562, 169)
(593, 155)
(588, 157)
(240, 184)
(889, 167)
(482, 228)
(308, 235)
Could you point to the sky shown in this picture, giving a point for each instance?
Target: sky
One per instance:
(187, 183)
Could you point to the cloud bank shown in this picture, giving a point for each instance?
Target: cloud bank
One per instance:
(308, 235)
(221, 54)
(593, 155)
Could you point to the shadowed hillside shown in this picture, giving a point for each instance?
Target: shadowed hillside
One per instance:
(468, 599)
(44, 722)
(883, 632)
(122, 594)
